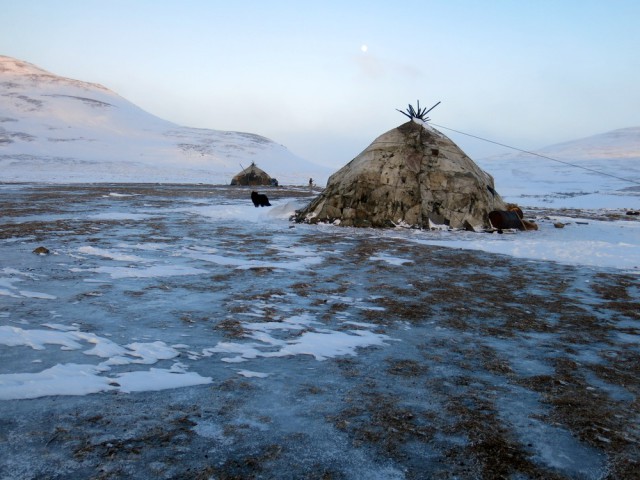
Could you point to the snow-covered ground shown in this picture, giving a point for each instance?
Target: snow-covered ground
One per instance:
(582, 242)
(177, 330)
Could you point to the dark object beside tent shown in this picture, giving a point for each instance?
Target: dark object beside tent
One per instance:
(259, 199)
(504, 219)
(253, 176)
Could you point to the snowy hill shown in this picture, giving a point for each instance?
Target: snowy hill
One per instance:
(55, 129)
(605, 160)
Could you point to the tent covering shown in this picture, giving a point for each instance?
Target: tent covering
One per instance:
(253, 176)
(412, 175)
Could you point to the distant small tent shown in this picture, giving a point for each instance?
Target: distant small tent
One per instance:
(253, 176)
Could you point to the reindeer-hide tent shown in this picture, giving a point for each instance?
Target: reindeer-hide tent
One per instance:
(412, 175)
(253, 176)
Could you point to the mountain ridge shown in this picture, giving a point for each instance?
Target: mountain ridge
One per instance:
(56, 129)
(619, 143)
(614, 144)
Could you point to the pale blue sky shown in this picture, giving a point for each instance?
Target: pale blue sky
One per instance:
(528, 73)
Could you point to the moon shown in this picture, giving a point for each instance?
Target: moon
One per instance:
(364, 48)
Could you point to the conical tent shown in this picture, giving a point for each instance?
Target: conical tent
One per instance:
(412, 175)
(253, 176)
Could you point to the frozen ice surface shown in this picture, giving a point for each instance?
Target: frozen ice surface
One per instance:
(177, 331)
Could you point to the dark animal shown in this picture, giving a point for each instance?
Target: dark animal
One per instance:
(259, 200)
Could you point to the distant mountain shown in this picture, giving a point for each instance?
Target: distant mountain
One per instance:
(616, 144)
(598, 165)
(55, 129)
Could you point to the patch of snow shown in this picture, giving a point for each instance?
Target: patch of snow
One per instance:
(83, 379)
(110, 254)
(148, 272)
(390, 260)
(251, 374)
(596, 243)
(61, 379)
(158, 379)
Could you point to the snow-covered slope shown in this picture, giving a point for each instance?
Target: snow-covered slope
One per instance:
(55, 129)
(598, 166)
